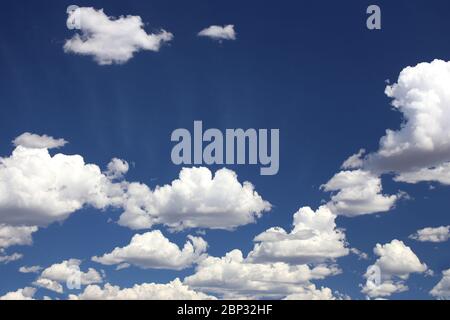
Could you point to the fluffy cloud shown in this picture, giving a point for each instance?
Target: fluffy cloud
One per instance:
(196, 200)
(439, 234)
(11, 236)
(421, 94)
(311, 293)
(110, 40)
(314, 238)
(117, 168)
(21, 294)
(442, 289)
(358, 192)
(37, 189)
(395, 263)
(174, 290)
(69, 270)
(34, 141)
(153, 250)
(232, 276)
(219, 33)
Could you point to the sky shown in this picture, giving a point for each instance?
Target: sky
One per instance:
(118, 83)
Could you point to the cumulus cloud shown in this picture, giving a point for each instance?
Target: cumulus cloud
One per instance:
(196, 200)
(395, 263)
(233, 277)
(174, 290)
(57, 274)
(442, 289)
(439, 234)
(37, 189)
(358, 192)
(110, 40)
(314, 238)
(26, 293)
(152, 250)
(34, 141)
(421, 94)
(219, 33)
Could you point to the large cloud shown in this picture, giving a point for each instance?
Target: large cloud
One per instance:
(421, 94)
(110, 40)
(442, 289)
(37, 189)
(314, 238)
(174, 290)
(395, 263)
(232, 276)
(153, 250)
(357, 192)
(196, 200)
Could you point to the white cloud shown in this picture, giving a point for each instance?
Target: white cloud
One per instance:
(174, 290)
(314, 238)
(26, 293)
(196, 200)
(54, 276)
(34, 141)
(117, 168)
(439, 234)
(11, 236)
(37, 189)
(355, 161)
(358, 192)
(110, 40)
(395, 263)
(442, 289)
(440, 173)
(219, 33)
(421, 94)
(5, 259)
(31, 269)
(48, 284)
(233, 277)
(153, 250)
(311, 293)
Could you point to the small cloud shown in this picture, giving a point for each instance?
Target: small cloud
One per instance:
(34, 141)
(219, 33)
(32, 269)
(110, 40)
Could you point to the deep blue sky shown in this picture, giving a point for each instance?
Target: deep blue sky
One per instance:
(309, 68)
